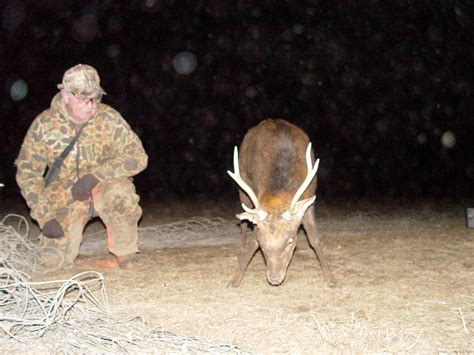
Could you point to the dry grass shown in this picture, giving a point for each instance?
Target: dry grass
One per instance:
(72, 315)
(405, 273)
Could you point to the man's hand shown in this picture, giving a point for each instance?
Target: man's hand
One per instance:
(52, 229)
(81, 190)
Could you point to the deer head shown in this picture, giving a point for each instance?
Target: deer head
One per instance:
(276, 231)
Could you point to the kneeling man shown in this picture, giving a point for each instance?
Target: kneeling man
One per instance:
(93, 179)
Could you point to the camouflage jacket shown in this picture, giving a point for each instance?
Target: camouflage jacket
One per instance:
(107, 148)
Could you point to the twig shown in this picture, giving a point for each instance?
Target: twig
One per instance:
(463, 321)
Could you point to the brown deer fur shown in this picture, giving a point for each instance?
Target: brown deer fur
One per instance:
(272, 162)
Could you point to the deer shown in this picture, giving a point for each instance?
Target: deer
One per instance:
(276, 173)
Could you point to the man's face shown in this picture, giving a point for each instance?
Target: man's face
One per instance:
(79, 107)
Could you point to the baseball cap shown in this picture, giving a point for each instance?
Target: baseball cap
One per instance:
(82, 79)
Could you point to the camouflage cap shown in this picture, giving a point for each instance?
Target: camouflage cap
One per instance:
(82, 79)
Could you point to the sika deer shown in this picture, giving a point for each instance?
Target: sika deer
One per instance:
(274, 171)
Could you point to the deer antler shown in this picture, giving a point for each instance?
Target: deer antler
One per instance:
(309, 177)
(238, 179)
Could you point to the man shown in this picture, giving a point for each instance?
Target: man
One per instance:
(95, 177)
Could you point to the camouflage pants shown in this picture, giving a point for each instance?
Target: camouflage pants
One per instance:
(116, 203)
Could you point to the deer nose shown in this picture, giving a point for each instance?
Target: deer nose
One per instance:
(274, 280)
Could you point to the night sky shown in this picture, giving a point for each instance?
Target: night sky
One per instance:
(384, 89)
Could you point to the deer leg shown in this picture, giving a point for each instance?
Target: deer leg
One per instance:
(247, 251)
(309, 223)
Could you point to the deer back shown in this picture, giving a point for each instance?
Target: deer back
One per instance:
(272, 162)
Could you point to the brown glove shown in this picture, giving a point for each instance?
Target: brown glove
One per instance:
(81, 190)
(52, 229)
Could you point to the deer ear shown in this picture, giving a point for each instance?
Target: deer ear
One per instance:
(255, 216)
(306, 203)
(301, 206)
(252, 217)
(246, 216)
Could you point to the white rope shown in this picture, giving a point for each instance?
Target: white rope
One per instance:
(196, 231)
(71, 315)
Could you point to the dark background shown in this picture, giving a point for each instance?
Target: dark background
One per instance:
(383, 89)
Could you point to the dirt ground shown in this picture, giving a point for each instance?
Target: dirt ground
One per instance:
(405, 271)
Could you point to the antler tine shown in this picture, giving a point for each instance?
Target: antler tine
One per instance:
(238, 179)
(312, 170)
